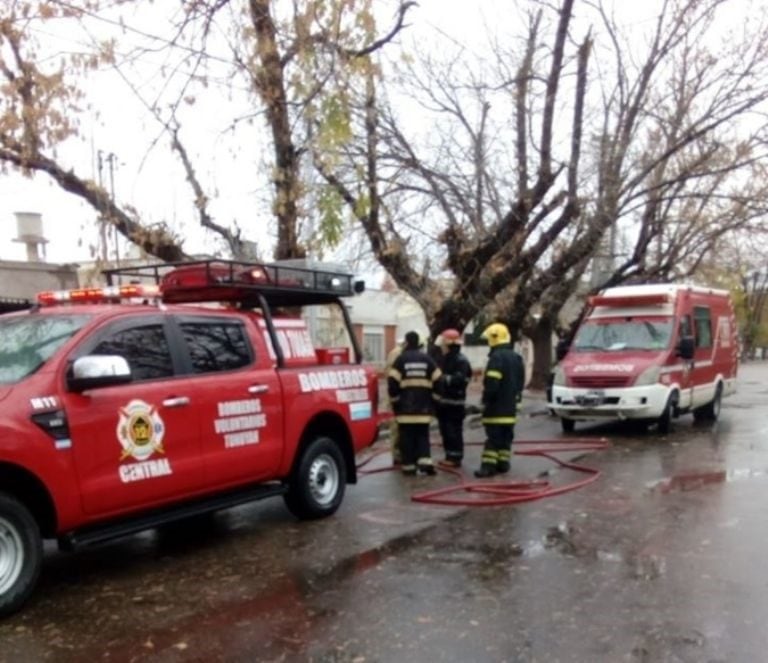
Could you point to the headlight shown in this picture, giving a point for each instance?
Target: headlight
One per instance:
(648, 376)
(558, 377)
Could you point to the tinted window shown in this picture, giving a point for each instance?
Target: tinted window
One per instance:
(145, 348)
(703, 327)
(216, 345)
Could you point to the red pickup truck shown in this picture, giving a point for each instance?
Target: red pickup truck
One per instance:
(173, 391)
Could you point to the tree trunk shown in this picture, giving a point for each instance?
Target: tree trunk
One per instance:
(271, 86)
(542, 354)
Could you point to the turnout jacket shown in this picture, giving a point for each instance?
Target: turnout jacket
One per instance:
(411, 385)
(457, 373)
(503, 383)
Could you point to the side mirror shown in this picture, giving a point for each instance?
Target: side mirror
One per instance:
(98, 371)
(561, 349)
(686, 347)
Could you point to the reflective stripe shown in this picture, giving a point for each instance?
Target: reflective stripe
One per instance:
(489, 457)
(416, 382)
(437, 375)
(504, 454)
(395, 374)
(494, 374)
(413, 418)
(451, 401)
(499, 420)
(425, 462)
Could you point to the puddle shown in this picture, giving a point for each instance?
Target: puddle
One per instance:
(700, 479)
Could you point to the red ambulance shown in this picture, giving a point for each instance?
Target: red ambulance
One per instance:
(174, 391)
(649, 353)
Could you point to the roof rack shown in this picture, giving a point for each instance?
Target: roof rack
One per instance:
(10, 304)
(242, 282)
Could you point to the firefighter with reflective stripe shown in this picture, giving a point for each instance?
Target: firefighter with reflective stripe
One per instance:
(503, 383)
(412, 383)
(394, 431)
(451, 407)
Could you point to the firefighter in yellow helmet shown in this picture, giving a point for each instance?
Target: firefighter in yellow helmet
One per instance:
(503, 382)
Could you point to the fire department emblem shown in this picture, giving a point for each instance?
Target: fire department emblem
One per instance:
(140, 430)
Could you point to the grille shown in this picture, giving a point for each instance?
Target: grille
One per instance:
(600, 381)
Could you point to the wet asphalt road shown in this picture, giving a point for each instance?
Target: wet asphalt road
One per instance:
(661, 559)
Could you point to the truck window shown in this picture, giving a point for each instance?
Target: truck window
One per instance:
(145, 349)
(30, 340)
(703, 327)
(326, 326)
(216, 345)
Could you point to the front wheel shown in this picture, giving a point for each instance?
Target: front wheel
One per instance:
(21, 554)
(317, 486)
(568, 425)
(664, 422)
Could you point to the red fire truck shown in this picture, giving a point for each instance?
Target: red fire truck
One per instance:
(173, 391)
(649, 353)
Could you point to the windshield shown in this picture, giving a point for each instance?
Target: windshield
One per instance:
(627, 334)
(28, 341)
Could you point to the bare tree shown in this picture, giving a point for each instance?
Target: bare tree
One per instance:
(531, 164)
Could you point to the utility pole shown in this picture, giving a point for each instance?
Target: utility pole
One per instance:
(105, 229)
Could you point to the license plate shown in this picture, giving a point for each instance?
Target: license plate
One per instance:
(594, 397)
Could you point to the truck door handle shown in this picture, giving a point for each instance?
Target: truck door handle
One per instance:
(258, 389)
(178, 401)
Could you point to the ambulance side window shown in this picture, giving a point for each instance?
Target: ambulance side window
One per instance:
(703, 327)
(216, 345)
(145, 348)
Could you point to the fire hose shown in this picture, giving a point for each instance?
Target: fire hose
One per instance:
(499, 493)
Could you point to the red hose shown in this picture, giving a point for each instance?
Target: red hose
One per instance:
(498, 493)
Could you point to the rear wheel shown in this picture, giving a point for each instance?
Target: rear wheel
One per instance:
(568, 425)
(317, 486)
(21, 553)
(710, 411)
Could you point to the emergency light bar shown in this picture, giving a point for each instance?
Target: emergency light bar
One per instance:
(96, 295)
(655, 299)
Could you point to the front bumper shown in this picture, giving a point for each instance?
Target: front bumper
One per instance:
(646, 402)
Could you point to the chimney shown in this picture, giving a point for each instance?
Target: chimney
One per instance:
(29, 226)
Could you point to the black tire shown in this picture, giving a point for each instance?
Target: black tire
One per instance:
(664, 422)
(21, 554)
(710, 411)
(317, 486)
(568, 425)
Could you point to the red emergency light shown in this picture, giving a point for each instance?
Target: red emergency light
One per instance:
(98, 295)
(629, 301)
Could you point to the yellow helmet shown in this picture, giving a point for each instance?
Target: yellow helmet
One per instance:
(497, 333)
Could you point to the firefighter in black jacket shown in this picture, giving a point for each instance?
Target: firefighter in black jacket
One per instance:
(451, 407)
(411, 385)
(503, 383)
